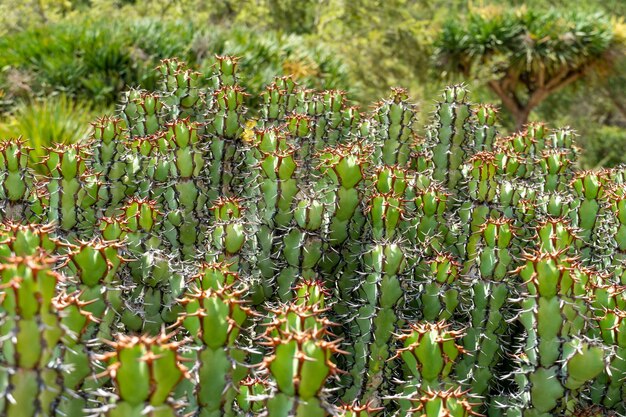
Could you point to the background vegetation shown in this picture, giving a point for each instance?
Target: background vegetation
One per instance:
(563, 64)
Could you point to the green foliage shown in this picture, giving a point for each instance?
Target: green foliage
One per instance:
(367, 35)
(42, 123)
(95, 59)
(290, 16)
(604, 146)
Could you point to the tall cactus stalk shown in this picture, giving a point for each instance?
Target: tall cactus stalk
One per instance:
(215, 313)
(429, 352)
(557, 359)
(300, 361)
(16, 181)
(145, 371)
(31, 331)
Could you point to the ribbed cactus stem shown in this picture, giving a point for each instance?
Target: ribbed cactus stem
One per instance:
(27, 240)
(300, 130)
(182, 84)
(450, 402)
(108, 161)
(78, 361)
(302, 246)
(430, 205)
(482, 190)
(589, 188)
(554, 168)
(155, 286)
(143, 113)
(215, 313)
(225, 124)
(610, 307)
(279, 100)
(394, 131)
(227, 234)
(16, 179)
(344, 169)
(356, 410)
(439, 286)
(72, 189)
(449, 136)
(484, 135)
(379, 292)
(145, 371)
(429, 352)
(333, 102)
(93, 267)
(276, 188)
(490, 256)
(300, 362)
(225, 71)
(184, 199)
(557, 360)
(30, 383)
(614, 216)
(252, 391)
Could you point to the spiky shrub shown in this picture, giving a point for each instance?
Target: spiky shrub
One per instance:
(304, 259)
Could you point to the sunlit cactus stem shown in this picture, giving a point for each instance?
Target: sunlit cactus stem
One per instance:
(558, 361)
(16, 180)
(183, 84)
(145, 371)
(379, 293)
(227, 233)
(225, 124)
(215, 313)
(156, 285)
(610, 306)
(439, 287)
(450, 402)
(301, 362)
(448, 136)
(491, 255)
(429, 352)
(72, 188)
(486, 117)
(344, 169)
(302, 246)
(30, 382)
(395, 119)
(108, 162)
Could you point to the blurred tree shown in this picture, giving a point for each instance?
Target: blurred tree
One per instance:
(289, 16)
(384, 42)
(526, 55)
(615, 87)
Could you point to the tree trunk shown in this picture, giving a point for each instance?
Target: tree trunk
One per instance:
(521, 110)
(511, 102)
(521, 117)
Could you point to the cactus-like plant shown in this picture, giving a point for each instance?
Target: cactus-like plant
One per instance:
(305, 258)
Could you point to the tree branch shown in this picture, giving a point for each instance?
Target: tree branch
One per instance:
(565, 78)
(511, 102)
(536, 98)
(616, 102)
(508, 98)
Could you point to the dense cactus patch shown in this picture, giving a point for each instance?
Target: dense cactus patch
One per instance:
(303, 258)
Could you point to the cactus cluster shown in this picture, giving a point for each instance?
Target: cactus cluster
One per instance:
(196, 257)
